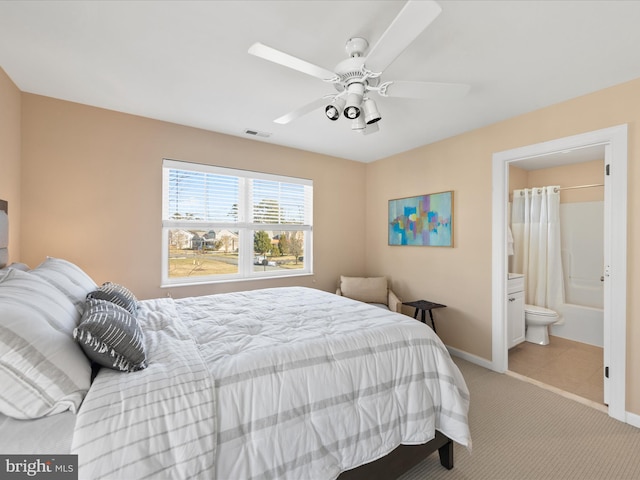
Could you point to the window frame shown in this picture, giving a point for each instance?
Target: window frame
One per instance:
(244, 225)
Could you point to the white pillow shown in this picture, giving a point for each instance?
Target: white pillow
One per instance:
(68, 278)
(19, 266)
(365, 289)
(43, 371)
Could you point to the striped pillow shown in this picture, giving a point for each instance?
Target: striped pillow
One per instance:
(68, 278)
(114, 293)
(42, 370)
(111, 336)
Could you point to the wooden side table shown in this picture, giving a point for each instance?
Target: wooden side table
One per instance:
(424, 306)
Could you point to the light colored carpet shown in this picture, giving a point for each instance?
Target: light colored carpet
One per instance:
(523, 432)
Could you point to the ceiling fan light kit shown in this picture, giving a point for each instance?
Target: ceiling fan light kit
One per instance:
(358, 124)
(356, 77)
(371, 114)
(355, 92)
(335, 108)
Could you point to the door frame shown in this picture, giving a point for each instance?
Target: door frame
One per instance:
(615, 256)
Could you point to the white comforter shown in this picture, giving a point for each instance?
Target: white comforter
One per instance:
(277, 383)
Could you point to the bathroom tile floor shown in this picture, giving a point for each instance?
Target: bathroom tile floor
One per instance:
(570, 366)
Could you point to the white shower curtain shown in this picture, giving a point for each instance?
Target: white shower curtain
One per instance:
(535, 223)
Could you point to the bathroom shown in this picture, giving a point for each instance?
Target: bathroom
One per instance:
(573, 359)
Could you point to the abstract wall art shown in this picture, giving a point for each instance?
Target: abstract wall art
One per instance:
(425, 220)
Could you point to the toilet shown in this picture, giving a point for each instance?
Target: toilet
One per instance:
(537, 320)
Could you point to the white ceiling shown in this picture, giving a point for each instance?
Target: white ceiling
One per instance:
(187, 62)
(565, 157)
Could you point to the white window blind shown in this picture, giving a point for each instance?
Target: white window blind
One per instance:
(202, 196)
(278, 202)
(213, 216)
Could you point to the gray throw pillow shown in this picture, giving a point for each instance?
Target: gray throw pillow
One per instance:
(114, 293)
(111, 336)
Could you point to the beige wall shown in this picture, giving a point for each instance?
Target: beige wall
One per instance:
(10, 159)
(587, 173)
(460, 277)
(518, 179)
(91, 193)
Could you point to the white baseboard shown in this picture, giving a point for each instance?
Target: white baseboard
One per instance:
(483, 362)
(633, 419)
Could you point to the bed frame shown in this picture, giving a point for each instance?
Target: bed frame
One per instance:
(403, 459)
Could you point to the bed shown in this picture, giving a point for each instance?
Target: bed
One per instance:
(275, 383)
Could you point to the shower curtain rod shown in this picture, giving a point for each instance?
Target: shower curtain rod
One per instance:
(583, 186)
(555, 190)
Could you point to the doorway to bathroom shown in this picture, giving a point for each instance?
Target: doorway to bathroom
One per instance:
(612, 142)
(571, 187)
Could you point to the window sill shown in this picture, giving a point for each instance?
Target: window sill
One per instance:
(235, 280)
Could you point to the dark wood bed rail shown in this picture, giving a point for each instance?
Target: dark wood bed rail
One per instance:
(403, 459)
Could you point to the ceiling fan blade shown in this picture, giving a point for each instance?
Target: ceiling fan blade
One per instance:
(425, 90)
(299, 112)
(268, 53)
(414, 17)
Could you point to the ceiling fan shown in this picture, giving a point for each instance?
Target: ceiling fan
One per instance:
(358, 76)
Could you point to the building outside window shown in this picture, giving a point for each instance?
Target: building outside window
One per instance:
(222, 224)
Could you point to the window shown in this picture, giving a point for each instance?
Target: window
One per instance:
(221, 224)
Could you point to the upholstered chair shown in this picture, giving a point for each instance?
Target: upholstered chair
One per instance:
(373, 290)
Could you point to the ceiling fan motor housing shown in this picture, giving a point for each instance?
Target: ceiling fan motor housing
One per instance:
(351, 71)
(356, 46)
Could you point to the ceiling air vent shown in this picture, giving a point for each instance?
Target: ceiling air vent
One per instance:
(256, 133)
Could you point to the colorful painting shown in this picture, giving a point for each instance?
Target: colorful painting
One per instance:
(422, 220)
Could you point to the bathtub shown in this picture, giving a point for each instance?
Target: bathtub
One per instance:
(580, 323)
